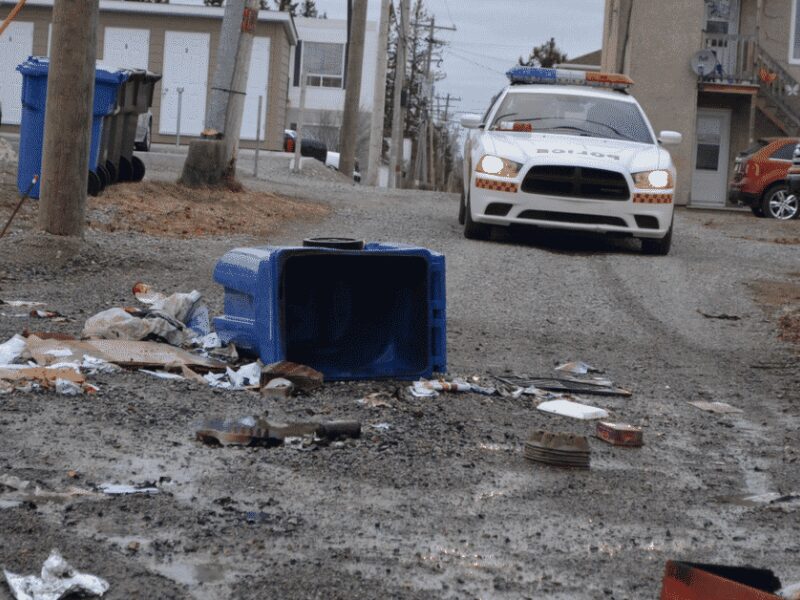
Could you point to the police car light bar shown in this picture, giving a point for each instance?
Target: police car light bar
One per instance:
(521, 74)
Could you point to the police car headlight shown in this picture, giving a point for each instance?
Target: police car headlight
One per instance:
(653, 180)
(494, 165)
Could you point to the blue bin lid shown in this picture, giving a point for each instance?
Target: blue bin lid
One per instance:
(38, 66)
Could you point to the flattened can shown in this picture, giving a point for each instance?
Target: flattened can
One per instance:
(620, 434)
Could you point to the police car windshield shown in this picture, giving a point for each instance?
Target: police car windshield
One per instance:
(573, 115)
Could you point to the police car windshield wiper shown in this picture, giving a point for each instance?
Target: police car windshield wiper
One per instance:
(614, 129)
(582, 131)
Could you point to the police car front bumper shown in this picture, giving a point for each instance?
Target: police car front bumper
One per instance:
(643, 215)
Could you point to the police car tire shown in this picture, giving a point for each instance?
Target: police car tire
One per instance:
(462, 209)
(473, 230)
(658, 247)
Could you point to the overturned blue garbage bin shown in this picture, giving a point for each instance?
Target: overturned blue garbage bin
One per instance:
(31, 132)
(368, 313)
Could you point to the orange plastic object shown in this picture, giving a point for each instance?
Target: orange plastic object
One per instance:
(690, 581)
(613, 78)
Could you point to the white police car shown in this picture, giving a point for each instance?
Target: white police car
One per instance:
(568, 150)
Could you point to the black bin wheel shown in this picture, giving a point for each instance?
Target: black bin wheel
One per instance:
(335, 243)
(104, 175)
(94, 186)
(137, 169)
(112, 171)
(124, 170)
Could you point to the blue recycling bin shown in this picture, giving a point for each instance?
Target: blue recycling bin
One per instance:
(376, 312)
(34, 99)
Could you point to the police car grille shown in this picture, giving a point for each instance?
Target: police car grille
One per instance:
(576, 182)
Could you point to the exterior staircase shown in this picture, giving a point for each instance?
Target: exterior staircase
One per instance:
(779, 94)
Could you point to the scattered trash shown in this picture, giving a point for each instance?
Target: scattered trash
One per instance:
(248, 376)
(68, 388)
(113, 489)
(46, 314)
(250, 431)
(304, 378)
(382, 426)
(429, 389)
(209, 342)
(48, 335)
(722, 408)
(58, 580)
(41, 376)
(278, 388)
(691, 581)
(120, 352)
(577, 368)
(163, 375)
(12, 349)
(558, 449)
(565, 385)
(21, 303)
(722, 316)
(145, 294)
(376, 400)
(191, 375)
(567, 408)
(620, 434)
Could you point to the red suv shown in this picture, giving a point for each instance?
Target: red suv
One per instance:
(760, 179)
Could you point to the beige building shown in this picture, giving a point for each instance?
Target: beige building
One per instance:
(178, 41)
(721, 72)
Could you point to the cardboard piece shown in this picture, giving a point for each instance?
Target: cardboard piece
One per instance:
(575, 410)
(721, 408)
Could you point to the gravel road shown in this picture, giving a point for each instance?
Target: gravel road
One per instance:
(441, 504)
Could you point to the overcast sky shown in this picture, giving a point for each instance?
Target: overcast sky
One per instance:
(492, 34)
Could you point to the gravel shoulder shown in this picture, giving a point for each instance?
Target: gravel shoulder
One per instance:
(442, 504)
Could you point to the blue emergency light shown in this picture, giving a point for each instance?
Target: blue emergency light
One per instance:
(531, 75)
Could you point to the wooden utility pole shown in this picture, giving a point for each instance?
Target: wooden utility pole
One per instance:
(396, 154)
(379, 99)
(352, 98)
(68, 117)
(213, 159)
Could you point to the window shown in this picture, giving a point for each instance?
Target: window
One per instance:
(784, 152)
(324, 64)
(794, 40)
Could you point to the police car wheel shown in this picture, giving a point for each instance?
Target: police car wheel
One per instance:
(473, 230)
(462, 209)
(658, 247)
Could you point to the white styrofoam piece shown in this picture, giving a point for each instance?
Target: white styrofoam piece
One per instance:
(566, 408)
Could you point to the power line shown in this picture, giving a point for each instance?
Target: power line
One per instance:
(483, 55)
(477, 64)
(449, 14)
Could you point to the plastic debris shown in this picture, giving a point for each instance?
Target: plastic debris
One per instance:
(382, 426)
(113, 489)
(620, 434)
(68, 388)
(208, 342)
(163, 375)
(248, 376)
(567, 408)
(21, 303)
(575, 386)
(278, 388)
(558, 449)
(429, 388)
(376, 400)
(304, 378)
(12, 349)
(46, 314)
(722, 408)
(58, 580)
(577, 368)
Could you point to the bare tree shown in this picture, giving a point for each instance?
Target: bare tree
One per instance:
(544, 55)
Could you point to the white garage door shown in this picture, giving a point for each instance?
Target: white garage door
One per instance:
(186, 68)
(16, 45)
(257, 79)
(126, 48)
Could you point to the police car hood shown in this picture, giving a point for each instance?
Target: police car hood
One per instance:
(533, 148)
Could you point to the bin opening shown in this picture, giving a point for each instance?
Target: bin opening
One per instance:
(356, 315)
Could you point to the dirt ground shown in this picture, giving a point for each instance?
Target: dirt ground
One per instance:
(435, 500)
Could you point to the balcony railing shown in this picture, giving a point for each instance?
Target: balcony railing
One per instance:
(736, 57)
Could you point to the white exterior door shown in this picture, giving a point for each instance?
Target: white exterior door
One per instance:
(126, 48)
(16, 45)
(712, 147)
(186, 69)
(257, 80)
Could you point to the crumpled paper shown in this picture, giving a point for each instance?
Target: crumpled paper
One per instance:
(244, 377)
(59, 579)
(12, 349)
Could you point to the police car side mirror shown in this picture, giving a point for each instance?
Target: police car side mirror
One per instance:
(670, 138)
(471, 121)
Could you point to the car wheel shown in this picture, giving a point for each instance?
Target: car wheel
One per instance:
(462, 209)
(658, 247)
(778, 203)
(473, 230)
(757, 211)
